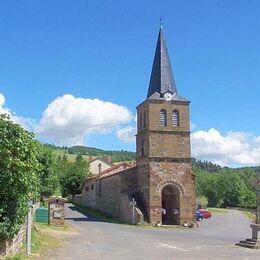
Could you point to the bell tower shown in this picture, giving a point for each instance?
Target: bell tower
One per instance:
(166, 185)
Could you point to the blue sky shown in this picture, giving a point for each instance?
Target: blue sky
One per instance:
(104, 50)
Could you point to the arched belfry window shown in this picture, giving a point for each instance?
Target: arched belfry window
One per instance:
(175, 118)
(163, 117)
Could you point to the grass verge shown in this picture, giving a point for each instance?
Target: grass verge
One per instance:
(42, 241)
(218, 210)
(250, 213)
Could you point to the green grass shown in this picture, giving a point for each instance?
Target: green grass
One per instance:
(218, 210)
(46, 227)
(70, 157)
(250, 213)
(42, 240)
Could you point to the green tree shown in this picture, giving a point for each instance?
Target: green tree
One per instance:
(18, 175)
(248, 199)
(207, 184)
(49, 181)
(73, 176)
(232, 189)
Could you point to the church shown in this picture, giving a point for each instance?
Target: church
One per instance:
(161, 181)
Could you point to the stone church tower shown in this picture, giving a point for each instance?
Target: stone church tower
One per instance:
(166, 184)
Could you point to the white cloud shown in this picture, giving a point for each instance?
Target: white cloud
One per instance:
(2, 100)
(231, 149)
(27, 123)
(67, 119)
(127, 134)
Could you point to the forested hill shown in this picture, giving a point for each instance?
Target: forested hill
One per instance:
(122, 155)
(90, 152)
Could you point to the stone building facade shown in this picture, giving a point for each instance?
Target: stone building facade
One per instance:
(162, 182)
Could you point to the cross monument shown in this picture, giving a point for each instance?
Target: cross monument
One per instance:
(254, 242)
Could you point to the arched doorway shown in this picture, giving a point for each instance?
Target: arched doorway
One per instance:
(170, 205)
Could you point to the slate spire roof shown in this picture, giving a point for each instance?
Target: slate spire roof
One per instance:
(161, 79)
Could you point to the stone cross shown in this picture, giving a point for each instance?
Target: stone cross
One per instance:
(257, 220)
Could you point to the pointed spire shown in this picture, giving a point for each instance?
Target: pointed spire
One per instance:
(161, 79)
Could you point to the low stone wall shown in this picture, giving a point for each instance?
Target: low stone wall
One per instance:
(76, 198)
(13, 245)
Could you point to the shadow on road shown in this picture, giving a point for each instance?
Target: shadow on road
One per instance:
(79, 214)
(78, 217)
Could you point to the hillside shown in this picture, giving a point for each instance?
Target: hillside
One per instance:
(118, 156)
(89, 153)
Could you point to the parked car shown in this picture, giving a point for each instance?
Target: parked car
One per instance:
(205, 213)
(199, 215)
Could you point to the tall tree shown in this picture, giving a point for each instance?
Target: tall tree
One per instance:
(49, 182)
(73, 176)
(18, 175)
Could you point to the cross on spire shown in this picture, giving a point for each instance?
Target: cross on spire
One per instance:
(161, 21)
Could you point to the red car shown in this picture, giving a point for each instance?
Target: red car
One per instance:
(205, 213)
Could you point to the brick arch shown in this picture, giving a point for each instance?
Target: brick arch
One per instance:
(175, 183)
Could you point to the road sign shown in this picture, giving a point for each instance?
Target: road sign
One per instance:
(132, 203)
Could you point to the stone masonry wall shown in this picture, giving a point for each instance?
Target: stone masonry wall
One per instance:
(175, 145)
(154, 112)
(89, 193)
(108, 191)
(178, 175)
(113, 194)
(165, 161)
(126, 211)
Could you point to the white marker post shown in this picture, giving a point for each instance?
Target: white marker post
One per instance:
(133, 204)
(29, 228)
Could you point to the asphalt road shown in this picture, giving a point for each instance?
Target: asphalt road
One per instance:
(214, 239)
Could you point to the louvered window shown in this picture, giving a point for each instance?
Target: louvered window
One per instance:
(163, 117)
(175, 118)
